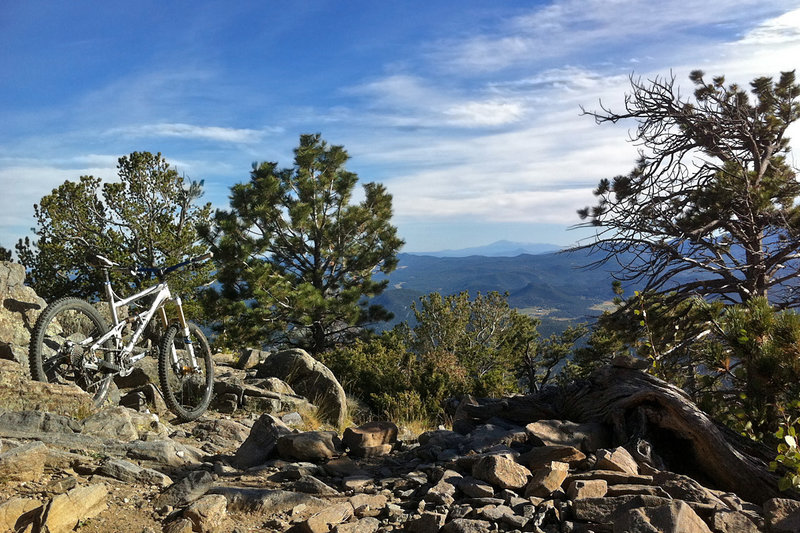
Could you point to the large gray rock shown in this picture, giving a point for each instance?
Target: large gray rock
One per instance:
(309, 446)
(19, 309)
(187, 490)
(24, 463)
(501, 472)
(261, 442)
(310, 378)
(674, 517)
(18, 392)
(17, 513)
(241, 499)
(63, 512)
(587, 437)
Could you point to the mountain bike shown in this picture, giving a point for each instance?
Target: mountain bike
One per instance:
(72, 343)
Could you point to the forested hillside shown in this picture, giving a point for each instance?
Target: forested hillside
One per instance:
(555, 287)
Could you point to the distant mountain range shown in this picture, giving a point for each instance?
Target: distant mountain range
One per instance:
(556, 287)
(496, 249)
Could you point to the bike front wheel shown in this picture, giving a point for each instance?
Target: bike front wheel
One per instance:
(61, 347)
(187, 387)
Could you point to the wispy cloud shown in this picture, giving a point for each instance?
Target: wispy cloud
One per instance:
(191, 131)
(590, 27)
(778, 30)
(409, 101)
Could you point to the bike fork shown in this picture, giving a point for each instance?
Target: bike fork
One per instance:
(187, 341)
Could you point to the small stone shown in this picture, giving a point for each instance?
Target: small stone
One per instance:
(323, 521)
(475, 488)
(63, 512)
(426, 523)
(782, 515)
(207, 513)
(593, 488)
(465, 525)
(544, 455)
(618, 459)
(547, 479)
(501, 472)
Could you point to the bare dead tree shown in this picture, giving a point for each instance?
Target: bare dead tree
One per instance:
(710, 207)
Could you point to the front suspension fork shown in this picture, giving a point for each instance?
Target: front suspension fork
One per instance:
(193, 367)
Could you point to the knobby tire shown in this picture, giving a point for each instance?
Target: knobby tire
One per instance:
(69, 320)
(186, 394)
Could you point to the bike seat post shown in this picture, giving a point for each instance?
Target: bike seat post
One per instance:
(110, 297)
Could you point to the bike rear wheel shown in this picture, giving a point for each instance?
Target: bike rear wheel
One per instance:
(59, 351)
(187, 390)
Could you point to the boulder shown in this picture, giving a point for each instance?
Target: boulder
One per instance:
(592, 488)
(207, 513)
(547, 479)
(674, 517)
(19, 308)
(443, 492)
(782, 515)
(618, 459)
(18, 392)
(17, 513)
(185, 491)
(586, 437)
(501, 472)
(328, 518)
(309, 446)
(543, 455)
(372, 439)
(267, 500)
(261, 442)
(63, 512)
(250, 358)
(24, 463)
(112, 422)
(311, 379)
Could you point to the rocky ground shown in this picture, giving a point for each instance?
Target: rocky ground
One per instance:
(253, 463)
(118, 469)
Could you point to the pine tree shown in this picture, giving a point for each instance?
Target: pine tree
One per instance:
(297, 256)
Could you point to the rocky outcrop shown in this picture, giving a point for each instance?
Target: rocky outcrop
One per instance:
(498, 476)
(18, 392)
(309, 378)
(19, 308)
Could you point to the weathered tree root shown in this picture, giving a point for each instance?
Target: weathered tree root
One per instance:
(657, 421)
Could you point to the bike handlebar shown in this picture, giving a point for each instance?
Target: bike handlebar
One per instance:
(104, 262)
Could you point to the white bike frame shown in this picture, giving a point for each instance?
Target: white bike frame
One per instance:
(126, 357)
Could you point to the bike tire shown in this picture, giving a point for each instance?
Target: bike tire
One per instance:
(187, 394)
(50, 357)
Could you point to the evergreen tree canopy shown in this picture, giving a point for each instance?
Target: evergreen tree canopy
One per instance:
(297, 257)
(147, 218)
(710, 207)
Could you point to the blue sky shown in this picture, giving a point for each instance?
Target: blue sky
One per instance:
(467, 111)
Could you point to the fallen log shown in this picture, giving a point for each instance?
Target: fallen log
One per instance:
(657, 422)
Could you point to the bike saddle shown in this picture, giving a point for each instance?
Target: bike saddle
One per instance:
(98, 260)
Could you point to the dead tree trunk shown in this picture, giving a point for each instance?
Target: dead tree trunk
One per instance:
(639, 407)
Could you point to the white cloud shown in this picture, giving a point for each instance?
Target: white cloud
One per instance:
(409, 101)
(485, 113)
(33, 180)
(190, 131)
(543, 164)
(778, 30)
(561, 29)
